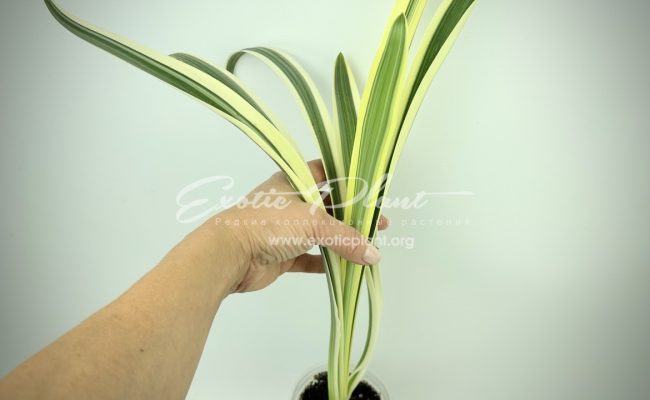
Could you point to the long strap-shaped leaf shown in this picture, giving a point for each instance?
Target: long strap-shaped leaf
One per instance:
(312, 104)
(377, 120)
(233, 82)
(346, 102)
(377, 117)
(439, 39)
(437, 43)
(212, 92)
(229, 80)
(375, 304)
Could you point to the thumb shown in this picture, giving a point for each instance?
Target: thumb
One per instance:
(345, 241)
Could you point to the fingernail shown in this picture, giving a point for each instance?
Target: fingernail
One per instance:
(372, 255)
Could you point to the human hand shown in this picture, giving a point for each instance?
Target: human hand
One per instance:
(275, 233)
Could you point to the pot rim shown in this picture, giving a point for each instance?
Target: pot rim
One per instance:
(370, 378)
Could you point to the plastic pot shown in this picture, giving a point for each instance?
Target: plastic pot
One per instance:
(312, 378)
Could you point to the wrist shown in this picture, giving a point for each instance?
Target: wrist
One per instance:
(230, 250)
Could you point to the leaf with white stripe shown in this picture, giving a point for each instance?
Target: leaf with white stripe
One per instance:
(205, 88)
(346, 102)
(439, 39)
(311, 103)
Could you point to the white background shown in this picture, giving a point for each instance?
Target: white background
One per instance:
(541, 110)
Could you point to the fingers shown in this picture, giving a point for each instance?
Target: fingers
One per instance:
(309, 263)
(383, 223)
(315, 167)
(345, 241)
(314, 263)
(318, 173)
(317, 170)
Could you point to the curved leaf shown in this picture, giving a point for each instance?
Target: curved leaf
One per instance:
(204, 88)
(312, 105)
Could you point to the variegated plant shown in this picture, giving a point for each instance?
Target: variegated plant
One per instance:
(360, 145)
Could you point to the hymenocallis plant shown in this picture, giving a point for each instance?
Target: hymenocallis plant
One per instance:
(360, 141)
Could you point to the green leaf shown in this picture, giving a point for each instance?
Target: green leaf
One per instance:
(375, 133)
(346, 100)
(228, 79)
(377, 120)
(440, 31)
(205, 88)
(439, 39)
(311, 103)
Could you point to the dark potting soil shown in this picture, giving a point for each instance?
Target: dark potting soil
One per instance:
(317, 390)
